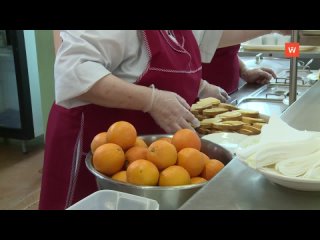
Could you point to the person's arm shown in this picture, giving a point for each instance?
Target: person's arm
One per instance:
(56, 40)
(257, 75)
(209, 90)
(242, 67)
(234, 37)
(111, 91)
(83, 71)
(208, 41)
(84, 58)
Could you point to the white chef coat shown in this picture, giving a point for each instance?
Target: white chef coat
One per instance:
(86, 56)
(208, 41)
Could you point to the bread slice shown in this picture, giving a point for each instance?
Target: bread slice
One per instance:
(258, 125)
(251, 120)
(249, 113)
(198, 108)
(228, 125)
(230, 116)
(200, 117)
(245, 131)
(212, 112)
(210, 100)
(203, 130)
(254, 130)
(208, 122)
(228, 106)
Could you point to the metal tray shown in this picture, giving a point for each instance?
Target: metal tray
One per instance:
(277, 91)
(267, 106)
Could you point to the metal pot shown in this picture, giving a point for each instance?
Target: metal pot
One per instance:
(167, 197)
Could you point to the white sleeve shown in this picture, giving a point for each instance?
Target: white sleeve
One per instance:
(208, 41)
(85, 57)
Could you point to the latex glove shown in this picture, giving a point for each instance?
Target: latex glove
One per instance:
(209, 90)
(258, 75)
(170, 111)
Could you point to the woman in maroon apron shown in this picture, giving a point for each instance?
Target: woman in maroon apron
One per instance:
(225, 70)
(173, 66)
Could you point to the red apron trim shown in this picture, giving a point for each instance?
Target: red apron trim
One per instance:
(173, 44)
(175, 71)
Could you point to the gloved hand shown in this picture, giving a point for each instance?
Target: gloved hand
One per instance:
(170, 111)
(258, 75)
(209, 90)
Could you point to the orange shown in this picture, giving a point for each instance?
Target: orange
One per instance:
(162, 154)
(196, 180)
(186, 138)
(98, 140)
(126, 165)
(120, 176)
(174, 176)
(140, 143)
(108, 159)
(206, 158)
(192, 160)
(136, 153)
(142, 172)
(166, 139)
(122, 133)
(211, 169)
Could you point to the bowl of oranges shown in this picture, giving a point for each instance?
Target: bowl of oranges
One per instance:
(166, 168)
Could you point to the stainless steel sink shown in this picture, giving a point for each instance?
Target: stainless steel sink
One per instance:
(267, 106)
(271, 99)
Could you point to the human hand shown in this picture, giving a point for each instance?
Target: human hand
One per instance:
(210, 90)
(258, 75)
(171, 112)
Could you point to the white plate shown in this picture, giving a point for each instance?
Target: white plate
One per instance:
(231, 141)
(296, 183)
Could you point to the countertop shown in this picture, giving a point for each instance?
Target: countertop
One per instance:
(239, 187)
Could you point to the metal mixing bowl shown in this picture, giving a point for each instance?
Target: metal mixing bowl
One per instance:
(167, 197)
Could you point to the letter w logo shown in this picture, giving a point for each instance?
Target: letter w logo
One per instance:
(292, 50)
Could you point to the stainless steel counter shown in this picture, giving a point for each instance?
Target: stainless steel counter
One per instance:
(304, 114)
(239, 187)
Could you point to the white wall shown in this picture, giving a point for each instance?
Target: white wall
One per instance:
(33, 70)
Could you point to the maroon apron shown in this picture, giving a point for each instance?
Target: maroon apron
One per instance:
(224, 68)
(172, 66)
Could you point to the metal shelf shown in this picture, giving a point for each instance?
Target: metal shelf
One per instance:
(280, 54)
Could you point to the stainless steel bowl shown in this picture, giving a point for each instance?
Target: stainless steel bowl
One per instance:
(167, 197)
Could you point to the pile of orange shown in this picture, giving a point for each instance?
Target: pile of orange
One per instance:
(119, 153)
